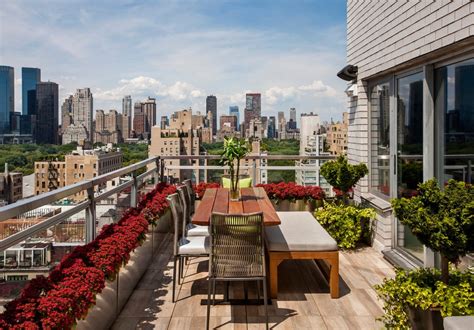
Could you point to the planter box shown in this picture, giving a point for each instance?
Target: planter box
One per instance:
(298, 205)
(421, 319)
(113, 297)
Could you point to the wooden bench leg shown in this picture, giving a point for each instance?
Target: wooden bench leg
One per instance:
(334, 276)
(274, 262)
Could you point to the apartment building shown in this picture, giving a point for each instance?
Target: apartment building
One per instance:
(11, 186)
(336, 136)
(411, 105)
(79, 166)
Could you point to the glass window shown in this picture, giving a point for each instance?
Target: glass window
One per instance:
(380, 137)
(409, 151)
(454, 102)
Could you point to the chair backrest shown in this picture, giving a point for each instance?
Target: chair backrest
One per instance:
(184, 197)
(178, 216)
(245, 181)
(237, 246)
(192, 194)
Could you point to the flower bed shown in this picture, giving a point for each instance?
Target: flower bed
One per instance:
(292, 197)
(66, 295)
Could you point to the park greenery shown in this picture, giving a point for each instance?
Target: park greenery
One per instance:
(273, 147)
(21, 157)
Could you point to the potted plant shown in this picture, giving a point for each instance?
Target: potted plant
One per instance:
(234, 151)
(343, 176)
(443, 220)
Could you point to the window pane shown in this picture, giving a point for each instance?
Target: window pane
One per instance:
(380, 121)
(409, 151)
(455, 100)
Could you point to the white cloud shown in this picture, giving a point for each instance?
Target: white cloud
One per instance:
(275, 95)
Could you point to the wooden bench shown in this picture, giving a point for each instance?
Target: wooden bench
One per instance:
(300, 236)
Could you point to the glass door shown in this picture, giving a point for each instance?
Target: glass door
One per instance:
(408, 153)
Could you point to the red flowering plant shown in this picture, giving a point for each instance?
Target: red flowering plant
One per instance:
(155, 203)
(292, 192)
(56, 302)
(200, 188)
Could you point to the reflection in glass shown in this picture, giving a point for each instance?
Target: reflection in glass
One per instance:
(409, 150)
(380, 147)
(454, 98)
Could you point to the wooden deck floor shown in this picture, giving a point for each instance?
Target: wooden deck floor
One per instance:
(303, 299)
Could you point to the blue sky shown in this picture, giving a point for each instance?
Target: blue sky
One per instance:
(182, 51)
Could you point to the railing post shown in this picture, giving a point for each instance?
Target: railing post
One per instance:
(162, 170)
(254, 169)
(156, 176)
(90, 216)
(134, 190)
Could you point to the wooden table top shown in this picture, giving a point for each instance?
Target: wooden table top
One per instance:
(252, 200)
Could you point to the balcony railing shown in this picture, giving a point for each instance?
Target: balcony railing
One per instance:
(155, 169)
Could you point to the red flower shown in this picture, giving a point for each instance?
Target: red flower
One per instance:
(291, 191)
(200, 188)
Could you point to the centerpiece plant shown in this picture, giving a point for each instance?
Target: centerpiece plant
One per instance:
(443, 220)
(234, 150)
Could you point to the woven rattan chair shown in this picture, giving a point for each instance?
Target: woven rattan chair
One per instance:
(189, 227)
(197, 246)
(237, 252)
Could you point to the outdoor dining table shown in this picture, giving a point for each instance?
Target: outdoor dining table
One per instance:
(252, 200)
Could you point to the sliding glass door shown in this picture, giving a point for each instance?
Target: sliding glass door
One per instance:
(408, 134)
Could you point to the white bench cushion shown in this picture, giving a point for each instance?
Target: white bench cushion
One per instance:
(298, 231)
(195, 230)
(195, 245)
(458, 322)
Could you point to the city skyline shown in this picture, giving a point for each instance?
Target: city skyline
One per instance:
(156, 57)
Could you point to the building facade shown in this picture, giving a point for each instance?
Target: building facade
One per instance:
(234, 111)
(127, 116)
(7, 97)
(11, 186)
(253, 108)
(47, 113)
(337, 136)
(211, 106)
(108, 127)
(29, 78)
(82, 105)
(411, 113)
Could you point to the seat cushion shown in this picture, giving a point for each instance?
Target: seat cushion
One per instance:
(194, 245)
(458, 322)
(298, 231)
(226, 183)
(194, 230)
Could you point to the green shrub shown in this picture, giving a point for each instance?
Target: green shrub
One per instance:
(344, 222)
(423, 288)
(443, 220)
(342, 175)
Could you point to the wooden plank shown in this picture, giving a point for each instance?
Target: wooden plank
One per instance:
(221, 203)
(270, 217)
(202, 215)
(250, 204)
(236, 207)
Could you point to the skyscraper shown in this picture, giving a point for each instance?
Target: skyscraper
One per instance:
(253, 107)
(211, 105)
(29, 78)
(139, 120)
(292, 123)
(234, 111)
(127, 115)
(47, 112)
(7, 97)
(271, 131)
(66, 113)
(149, 110)
(82, 104)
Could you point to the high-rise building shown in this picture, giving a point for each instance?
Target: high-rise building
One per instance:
(281, 125)
(271, 130)
(164, 122)
(337, 136)
(234, 111)
(253, 107)
(66, 113)
(292, 123)
(82, 105)
(47, 112)
(108, 127)
(149, 111)
(29, 78)
(7, 97)
(127, 116)
(139, 120)
(211, 105)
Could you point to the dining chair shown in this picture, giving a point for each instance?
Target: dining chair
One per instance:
(237, 252)
(183, 246)
(192, 194)
(189, 228)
